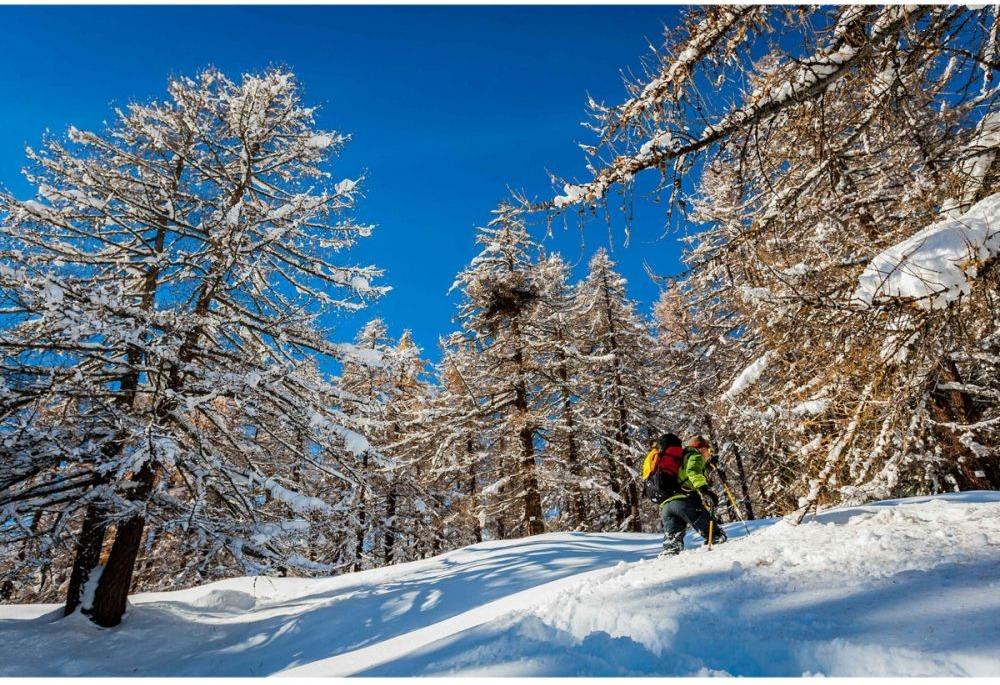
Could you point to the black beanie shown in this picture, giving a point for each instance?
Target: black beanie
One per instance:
(668, 440)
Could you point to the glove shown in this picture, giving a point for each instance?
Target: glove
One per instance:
(710, 496)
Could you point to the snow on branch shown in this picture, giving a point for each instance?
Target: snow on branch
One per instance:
(749, 376)
(800, 80)
(936, 266)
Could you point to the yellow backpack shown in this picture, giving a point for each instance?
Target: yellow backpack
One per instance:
(650, 461)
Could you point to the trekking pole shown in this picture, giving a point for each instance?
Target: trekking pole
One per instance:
(732, 501)
(711, 517)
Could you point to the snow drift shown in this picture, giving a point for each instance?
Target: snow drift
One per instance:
(904, 588)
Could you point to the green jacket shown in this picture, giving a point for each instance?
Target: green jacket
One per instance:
(691, 475)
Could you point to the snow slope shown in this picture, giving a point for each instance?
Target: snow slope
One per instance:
(908, 587)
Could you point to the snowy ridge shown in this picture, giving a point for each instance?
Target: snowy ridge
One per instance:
(905, 588)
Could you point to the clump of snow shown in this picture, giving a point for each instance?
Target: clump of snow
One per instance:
(358, 354)
(810, 407)
(89, 588)
(300, 504)
(752, 294)
(225, 600)
(346, 186)
(661, 141)
(354, 442)
(319, 142)
(52, 293)
(39, 210)
(935, 267)
(976, 160)
(572, 195)
(281, 212)
(361, 284)
(748, 376)
(233, 214)
(800, 269)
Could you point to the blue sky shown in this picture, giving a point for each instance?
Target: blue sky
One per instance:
(448, 108)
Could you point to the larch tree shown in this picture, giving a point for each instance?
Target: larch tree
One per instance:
(830, 144)
(618, 388)
(456, 447)
(501, 295)
(170, 277)
(569, 476)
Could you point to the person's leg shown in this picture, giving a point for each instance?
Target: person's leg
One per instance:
(694, 514)
(674, 525)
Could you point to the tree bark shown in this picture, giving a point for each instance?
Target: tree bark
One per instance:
(745, 490)
(389, 539)
(112, 590)
(577, 513)
(87, 557)
(618, 506)
(956, 406)
(359, 534)
(533, 523)
(477, 528)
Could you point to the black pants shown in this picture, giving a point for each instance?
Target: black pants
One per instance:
(678, 514)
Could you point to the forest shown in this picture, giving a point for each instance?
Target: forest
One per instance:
(174, 410)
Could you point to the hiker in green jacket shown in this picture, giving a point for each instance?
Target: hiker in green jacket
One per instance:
(688, 507)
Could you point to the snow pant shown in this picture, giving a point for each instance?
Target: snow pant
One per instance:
(680, 513)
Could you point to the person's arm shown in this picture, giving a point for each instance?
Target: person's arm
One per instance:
(696, 471)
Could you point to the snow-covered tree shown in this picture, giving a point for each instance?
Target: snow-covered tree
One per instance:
(163, 291)
(501, 293)
(846, 159)
(392, 514)
(569, 478)
(618, 385)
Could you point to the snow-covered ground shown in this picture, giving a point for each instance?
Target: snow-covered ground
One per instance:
(909, 587)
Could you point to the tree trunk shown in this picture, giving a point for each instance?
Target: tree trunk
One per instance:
(477, 528)
(112, 589)
(635, 522)
(529, 482)
(577, 514)
(534, 525)
(359, 534)
(744, 486)
(389, 540)
(956, 406)
(613, 482)
(88, 556)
